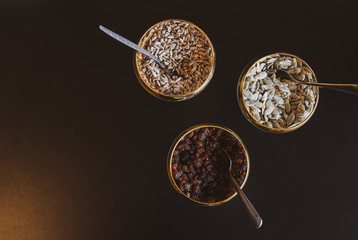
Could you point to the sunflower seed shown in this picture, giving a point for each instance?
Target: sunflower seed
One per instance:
(174, 42)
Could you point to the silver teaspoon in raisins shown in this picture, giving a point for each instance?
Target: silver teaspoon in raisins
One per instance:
(253, 214)
(136, 47)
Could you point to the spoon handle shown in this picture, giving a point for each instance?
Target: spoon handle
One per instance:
(347, 88)
(134, 46)
(253, 214)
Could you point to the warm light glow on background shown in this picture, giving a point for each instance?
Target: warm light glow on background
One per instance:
(24, 208)
(37, 201)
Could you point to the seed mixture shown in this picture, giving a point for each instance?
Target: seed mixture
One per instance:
(182, 48)
(200, 167)
(275, 102)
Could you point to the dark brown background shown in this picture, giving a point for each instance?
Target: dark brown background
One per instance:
(83, 146)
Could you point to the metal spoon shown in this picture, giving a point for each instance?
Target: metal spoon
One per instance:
(136, 47)
(347, 88)
(253, 214)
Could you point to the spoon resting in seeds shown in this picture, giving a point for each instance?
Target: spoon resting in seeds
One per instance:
(138, 48)
(253, 214)
(347, 88)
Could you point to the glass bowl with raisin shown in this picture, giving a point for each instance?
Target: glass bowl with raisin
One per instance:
(198, 167)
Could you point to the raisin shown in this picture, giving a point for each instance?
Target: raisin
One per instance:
(199, 166)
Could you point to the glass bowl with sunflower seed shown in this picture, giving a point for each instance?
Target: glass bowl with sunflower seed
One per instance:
(186, 50)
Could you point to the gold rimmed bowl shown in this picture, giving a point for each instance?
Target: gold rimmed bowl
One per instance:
(259, 123)
(229, 191)
(146, 83)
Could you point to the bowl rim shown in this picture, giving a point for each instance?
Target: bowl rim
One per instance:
(161, 95)
(176, 142)
(241, 102)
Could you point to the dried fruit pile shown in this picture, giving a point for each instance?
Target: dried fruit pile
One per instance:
(200, 167)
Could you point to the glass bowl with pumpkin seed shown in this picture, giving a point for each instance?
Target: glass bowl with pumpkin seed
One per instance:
(186, 50)
(273, 103)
